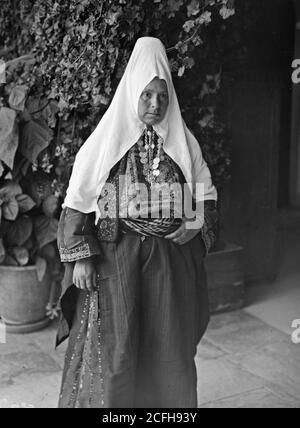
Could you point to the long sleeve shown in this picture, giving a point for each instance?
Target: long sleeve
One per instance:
(76, 237)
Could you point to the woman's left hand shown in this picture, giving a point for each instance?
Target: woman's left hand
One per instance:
(183, 234)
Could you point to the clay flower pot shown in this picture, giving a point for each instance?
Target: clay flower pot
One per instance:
(23, 299)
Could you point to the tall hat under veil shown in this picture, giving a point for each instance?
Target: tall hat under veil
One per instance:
(120, 128)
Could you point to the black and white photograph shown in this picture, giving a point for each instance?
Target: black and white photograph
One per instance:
(149, 206)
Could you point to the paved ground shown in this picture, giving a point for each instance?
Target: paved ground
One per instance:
(242, 362)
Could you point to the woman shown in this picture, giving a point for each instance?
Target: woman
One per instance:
(134, 301)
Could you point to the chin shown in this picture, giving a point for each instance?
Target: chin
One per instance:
(152, 121)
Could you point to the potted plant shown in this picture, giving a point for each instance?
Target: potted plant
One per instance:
(30, 268)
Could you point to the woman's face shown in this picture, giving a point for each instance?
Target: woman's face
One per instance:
(153, 102)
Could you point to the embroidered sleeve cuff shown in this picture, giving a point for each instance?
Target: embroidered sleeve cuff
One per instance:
(82, 251)
(76, 237)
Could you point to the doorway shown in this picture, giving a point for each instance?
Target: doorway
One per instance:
(294, 176)
(288, 130)
(278, 302)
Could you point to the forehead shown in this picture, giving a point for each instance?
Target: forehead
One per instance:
(157, 85)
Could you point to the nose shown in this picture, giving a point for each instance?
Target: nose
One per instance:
(155, 104)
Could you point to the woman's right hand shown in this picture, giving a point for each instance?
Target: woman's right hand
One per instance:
(85, 274)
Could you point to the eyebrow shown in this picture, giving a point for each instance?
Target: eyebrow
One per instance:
(151, 90)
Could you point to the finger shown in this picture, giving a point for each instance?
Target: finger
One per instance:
(78, 285)
(94, 280)
(89, 284)
(74, 279)
(177, 233)
(179, 241)
(76, 282)
(183, 239)
(82, 285)
(181, 236)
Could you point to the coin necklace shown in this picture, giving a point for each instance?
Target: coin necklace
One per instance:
(150, 154)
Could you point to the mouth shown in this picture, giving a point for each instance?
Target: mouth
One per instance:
(153, 114)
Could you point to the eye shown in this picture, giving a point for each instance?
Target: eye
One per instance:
(164, 96)
(146, 96)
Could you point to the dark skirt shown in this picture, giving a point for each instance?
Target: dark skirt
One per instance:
(133, 340)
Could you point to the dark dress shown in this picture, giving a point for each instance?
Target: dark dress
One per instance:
(133, 340)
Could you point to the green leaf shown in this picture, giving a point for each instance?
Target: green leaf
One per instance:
(189, 25)
(62, 105)
(181, 71)
(48, 252)
(174, 6)
(24, 59)
(9, 260)
(19, 231)
(35, 137)
(83, 30)
(4, 225)
(45, 229)
(25, 203)
(10, 190)
(21, 255)
(39, 187)
(41, 267)
(112, 17)
(25, 116)
(25, 167)
(10, 210)
(49, 113)
(17, 97)
(193, 8)
(50, 206)
(29, 243)
(33, 104)
(189, 62)
(9, 136)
